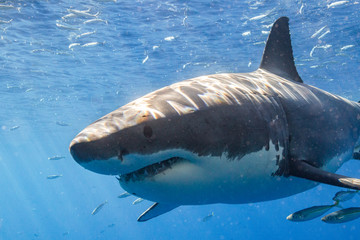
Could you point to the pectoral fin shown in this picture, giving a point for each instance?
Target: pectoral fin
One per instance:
(303, 169)
(155, 210)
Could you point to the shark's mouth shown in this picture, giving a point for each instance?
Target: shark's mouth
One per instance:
(151, 170)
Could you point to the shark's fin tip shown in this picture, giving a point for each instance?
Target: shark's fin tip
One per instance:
(155, 210)
(303, 169)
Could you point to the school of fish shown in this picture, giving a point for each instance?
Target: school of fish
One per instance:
(339, 216)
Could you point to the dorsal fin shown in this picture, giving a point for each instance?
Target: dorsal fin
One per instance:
(278, 56)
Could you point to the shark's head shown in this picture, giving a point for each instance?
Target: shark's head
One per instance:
(129, 139)
(174, 144)
(154, 140)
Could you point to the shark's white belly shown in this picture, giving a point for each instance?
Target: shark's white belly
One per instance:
(208, 180)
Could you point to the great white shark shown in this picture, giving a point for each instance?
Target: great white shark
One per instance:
(226, 138)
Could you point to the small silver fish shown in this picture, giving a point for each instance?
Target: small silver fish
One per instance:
(258, 17)
(324, 34)
(73, 45)
(170, 38)
(66, 27)
(343, 196)
(92, 44)
(57, 157)
(145, 59)
(3, 6)
(346, 47)
(338, 3)
(53, 176)
(124, 195)
(301, 9)
(70, 15)
(5, 22)
(343, 215)
(208, 217)
(84, 13)
(63, 124)
(310, 213)
(98, 208)
(95, 20)
(137, 201)
(14, 128)
(85, 34)
(318, 32)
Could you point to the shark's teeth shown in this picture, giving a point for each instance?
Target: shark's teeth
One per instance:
(150, 171)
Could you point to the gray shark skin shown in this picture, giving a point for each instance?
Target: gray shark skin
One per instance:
(226, 138)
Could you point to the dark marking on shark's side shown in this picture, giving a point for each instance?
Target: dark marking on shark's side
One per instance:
(226, 138)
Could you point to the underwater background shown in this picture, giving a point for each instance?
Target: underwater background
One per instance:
(60, 72)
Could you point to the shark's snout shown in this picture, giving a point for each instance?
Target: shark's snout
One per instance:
(81, 151)
(102, 155)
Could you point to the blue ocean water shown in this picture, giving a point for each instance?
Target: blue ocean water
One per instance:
(59, 73)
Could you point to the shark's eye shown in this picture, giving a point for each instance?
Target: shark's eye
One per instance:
(148, 132)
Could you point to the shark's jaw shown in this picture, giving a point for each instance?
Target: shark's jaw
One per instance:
(194, 180)
(182, 177)
(152, 170)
